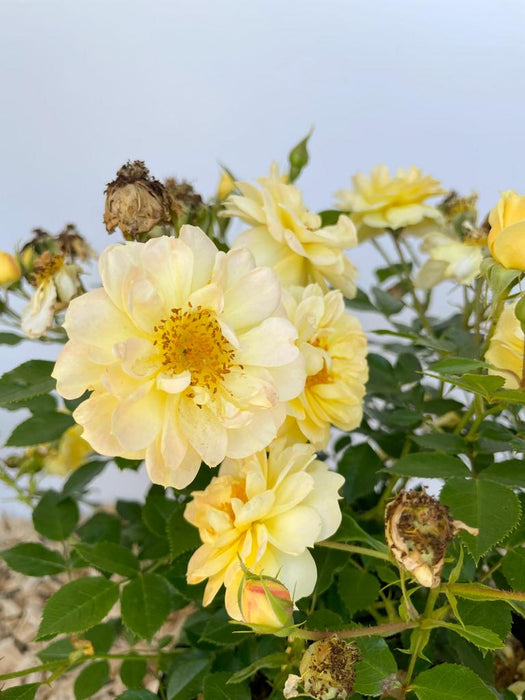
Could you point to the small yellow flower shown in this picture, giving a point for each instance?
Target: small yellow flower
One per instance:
(507, 232)
(187, 354)
(265, 510)
(335, 349)
(384, 202)
(506, 351)
(10, 271)
(288, 237)
(71, 452)
(449, 258)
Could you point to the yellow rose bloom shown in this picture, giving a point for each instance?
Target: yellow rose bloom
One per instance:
(10, 271)
(507, 231)
(449, 258)
(335, 349)
(507, 348)
(385, 202)
(289, 238)
(186, 352)
(72, 451)
(266, 510)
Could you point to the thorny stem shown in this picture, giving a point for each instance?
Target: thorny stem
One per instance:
(355, 549)
(422, 640)
(385, 630)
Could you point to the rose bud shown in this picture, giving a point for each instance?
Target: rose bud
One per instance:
(10, 271)
(265, 603)
(418, 530)
(135, 201)
(327, 669)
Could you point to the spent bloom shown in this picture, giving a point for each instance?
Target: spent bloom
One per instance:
(449, 258)
(382, 202)
(288, 237)
(507, 231)
(335, 348)
(418, 530)
(56, 282)
(264, 511)
(186, 353)
(506, 350)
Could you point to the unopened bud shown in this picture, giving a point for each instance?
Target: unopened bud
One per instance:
(418, 530)
(10, 271)
(135, 201)
(225, 186)
(327, 669)
(265, 603)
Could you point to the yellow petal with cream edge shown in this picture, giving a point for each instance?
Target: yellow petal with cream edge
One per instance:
(266, 509)
(157, 345)
(507, 231)
(506, 351)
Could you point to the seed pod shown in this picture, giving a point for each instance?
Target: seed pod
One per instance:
(418, 530)
(327, 669)
(135, 201)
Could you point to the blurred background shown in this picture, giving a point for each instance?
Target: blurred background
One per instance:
(86, 86)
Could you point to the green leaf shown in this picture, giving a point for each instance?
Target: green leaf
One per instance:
(44, 427)
(430, 465)
(187, 675)
(452, 682)
(29, 379)
(329, 217)
(102, 635)
(494, 615)
(136, 694)
(510, 473)
(123, 463)
(220, 631)
(157, 510)
(328, 562)
(216, 688)
(480, 636)
(81, 477)
(441, 442)
(351, 531)
(181, 535)
(20, 692)
(132, 671)
(457, 365)
(324, 621)
(298, 158)
(361, 301)
(377, 663)
(145, 604)
(359, 465)
(489, 506)
(12, 338)
(110, 557)
(56, 651)
(100, 527)
(55, 517)
(33, 559)
(357, 589)
(91, 679)
(275, 660)
(513, 567)
(386, 303)
(77, 606)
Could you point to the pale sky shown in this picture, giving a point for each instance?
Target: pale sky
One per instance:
(87, 85)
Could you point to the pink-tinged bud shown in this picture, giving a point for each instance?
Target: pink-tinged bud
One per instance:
(10, 271)
(265, 603)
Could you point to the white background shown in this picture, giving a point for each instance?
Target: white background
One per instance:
(86, 86)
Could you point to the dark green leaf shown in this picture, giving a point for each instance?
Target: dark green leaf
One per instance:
(329, 217)
(26, 381)
(157, 510)
(132, 671)
(181, 535)
(123, 463)
(33, 559)
(100, 527)
(275, 660)
(81, 477)
(377, 663)
(480, 636)
(350, 531)
(360, 302)
(20, 692)
(452, 682)
(102, 635)
(492, 508)
(359, 465)
(44, 427)
(441, 442)
(509, 473)
(110, 557)
(220, 631)
(91, 679)
(56, 651)
(386, 303)
(136, 694)
(457, 365)
(187, 675)
(324, 621)
(12, 338)
(430, 465)
(357, 589)
(77, 606)
(145, 604)
(328, 563)
(55, 517)
(513, 567)
(494, 615)
(216, 688)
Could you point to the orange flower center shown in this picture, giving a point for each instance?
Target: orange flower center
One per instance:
(192, 340)
(45, 267)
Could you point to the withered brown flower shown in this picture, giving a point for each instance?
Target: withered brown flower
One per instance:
(327, 669)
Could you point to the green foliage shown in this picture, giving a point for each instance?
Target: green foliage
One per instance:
(145, 604)
(33, 559)
(55, 516)
(91, 679)
(45, 427)
(23, 692)
(30, 379)
(451, 682)
(377, 663)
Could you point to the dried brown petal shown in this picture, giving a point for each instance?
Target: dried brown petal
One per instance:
(327, 669)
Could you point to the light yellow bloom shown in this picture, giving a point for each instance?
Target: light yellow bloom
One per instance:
(335, 349)
(72, 451)
(507, 348)
(57, 282)
(9, 269)
(507, 232)
(385, 202)
(187, 354)
(449, 258)
(267, 510)
(289, 238)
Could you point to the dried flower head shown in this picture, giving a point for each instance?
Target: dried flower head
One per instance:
(184, 202)
(327, 669)
(418, 530)
(135, 201)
